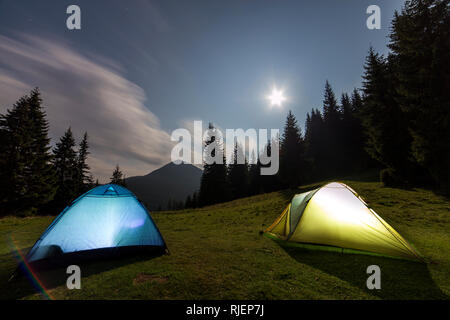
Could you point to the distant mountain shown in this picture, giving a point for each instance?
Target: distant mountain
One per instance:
(171, 181)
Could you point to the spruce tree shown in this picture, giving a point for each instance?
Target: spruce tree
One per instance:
(214, 187)
(238, 174)
(346, 107)
(356, 101)
(118, 177)
(84, 178)
(291, 153)
(333, 139)
(331, 114)
(349, 137)
(358, 137)
(315, 143)
(66, 170)
(26, 173)
(254, 176)
(420, 46)
(389, 140)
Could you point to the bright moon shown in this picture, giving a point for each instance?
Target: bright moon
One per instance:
(276, 98)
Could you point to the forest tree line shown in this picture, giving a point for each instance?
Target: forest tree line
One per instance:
(397, 122)
(36, 178)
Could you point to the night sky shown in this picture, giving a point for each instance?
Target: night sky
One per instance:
(139, 69)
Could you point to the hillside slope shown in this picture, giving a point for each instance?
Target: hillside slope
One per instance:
(171, 181)
(218, 253)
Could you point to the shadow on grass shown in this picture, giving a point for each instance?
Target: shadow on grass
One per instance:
(400, 279)
(23, 285)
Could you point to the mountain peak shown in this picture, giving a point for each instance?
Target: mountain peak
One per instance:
(157, 187)
(173, 166)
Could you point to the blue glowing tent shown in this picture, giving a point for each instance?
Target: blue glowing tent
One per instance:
(108, 219)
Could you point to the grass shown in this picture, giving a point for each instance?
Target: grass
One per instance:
(218, 252)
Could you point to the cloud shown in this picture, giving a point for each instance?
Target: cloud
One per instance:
(88, 93)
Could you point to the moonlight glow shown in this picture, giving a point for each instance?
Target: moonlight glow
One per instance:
(276, 98)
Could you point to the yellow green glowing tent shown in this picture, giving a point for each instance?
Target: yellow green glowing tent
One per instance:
(334, 217)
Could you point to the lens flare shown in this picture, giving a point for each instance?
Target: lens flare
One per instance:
(276, 98)
(27, 271)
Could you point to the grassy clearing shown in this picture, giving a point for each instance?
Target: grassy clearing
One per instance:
(218, 253)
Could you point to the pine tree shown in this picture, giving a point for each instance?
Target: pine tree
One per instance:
(346, 107)
(238, 174)
(27, 178)
(214, 187)
(254, 176)
(333, 140)
(420, 46)
(349, 136)
(66, 170)
(118, 177)
(331, 114)
(358, 137)
(315, 144)
(389, 140)
(84, 178)
(291, 153)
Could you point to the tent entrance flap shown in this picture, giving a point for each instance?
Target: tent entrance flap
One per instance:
(298, 205)
(280, 228)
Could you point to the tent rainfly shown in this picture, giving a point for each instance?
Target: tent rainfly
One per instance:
(335, 218)
(106, 220)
